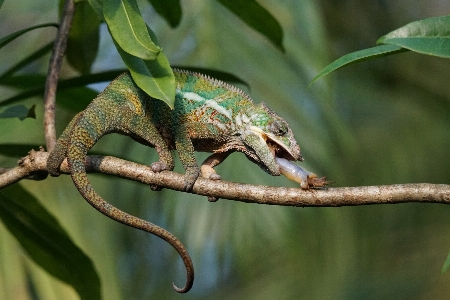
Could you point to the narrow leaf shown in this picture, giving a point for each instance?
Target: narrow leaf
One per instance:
(7, 39)
(128, 28)
(170, 10)
(23, 81)
(258, 18)
(446, 265)
(97, 6)
(357, 57)
(72, 94)
(71, 98)
(46, 242)
(151, 76)
(37, 88)
(1, 3)
(75, 99)
(27, 60)
(19, 111)
(155, 77)
(430, 36)
(83, 39)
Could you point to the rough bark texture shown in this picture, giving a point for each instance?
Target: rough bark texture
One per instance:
(33, 166)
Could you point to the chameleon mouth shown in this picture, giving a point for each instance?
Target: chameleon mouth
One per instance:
(277, 147)
(279, 150)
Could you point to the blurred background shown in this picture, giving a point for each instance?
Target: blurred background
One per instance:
(383, 121)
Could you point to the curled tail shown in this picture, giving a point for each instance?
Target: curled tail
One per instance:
(76, 154)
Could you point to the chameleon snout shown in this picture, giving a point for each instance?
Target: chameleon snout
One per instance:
(296, 153)
(278, 149)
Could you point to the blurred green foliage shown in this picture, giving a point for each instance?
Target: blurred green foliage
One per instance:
(380, 122)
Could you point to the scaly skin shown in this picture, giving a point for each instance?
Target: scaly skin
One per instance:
(209, 116)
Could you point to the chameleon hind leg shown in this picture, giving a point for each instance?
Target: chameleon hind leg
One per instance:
(58, 154)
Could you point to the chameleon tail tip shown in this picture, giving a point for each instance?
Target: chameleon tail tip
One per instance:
(184, 289)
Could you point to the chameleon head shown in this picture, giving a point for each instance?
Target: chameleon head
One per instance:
(266, 136)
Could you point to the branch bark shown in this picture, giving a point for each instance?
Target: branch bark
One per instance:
(34, 165)
(51, 84)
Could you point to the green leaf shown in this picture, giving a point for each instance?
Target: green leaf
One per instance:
(7, 39)
(258, 18)
(358, 56)
(155, 77)
(446, 265)
(38, 82)
(83, 39)
(430, 36)
(151, 76)
(128, 28)
(29, 59)
(19, 111)
(1, 3)
(23, 81)
(75, 99)
(72, 94)
(97, 6)
(170, 10)
(46, 242)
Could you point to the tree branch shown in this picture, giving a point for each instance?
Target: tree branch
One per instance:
(51, 84)
(34, 165)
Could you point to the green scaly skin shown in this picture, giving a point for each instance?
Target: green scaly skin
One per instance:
(209, 115)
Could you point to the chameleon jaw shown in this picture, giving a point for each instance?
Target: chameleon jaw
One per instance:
(277, 147)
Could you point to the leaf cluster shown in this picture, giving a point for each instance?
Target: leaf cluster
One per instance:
(430, 37)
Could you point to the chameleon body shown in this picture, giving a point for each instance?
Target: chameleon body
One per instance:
(209, 115)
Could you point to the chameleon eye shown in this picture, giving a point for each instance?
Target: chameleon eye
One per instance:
(278, 127)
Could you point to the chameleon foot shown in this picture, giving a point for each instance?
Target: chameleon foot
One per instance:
(212, 199)
(155, 187)
(159, 166)
(190, 177)
(209, 173)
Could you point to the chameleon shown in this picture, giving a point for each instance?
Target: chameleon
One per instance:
(209, 115)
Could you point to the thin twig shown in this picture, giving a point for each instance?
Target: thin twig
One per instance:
(35, 163)
(59, 49)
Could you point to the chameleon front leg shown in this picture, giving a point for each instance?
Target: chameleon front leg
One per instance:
(207, 167)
